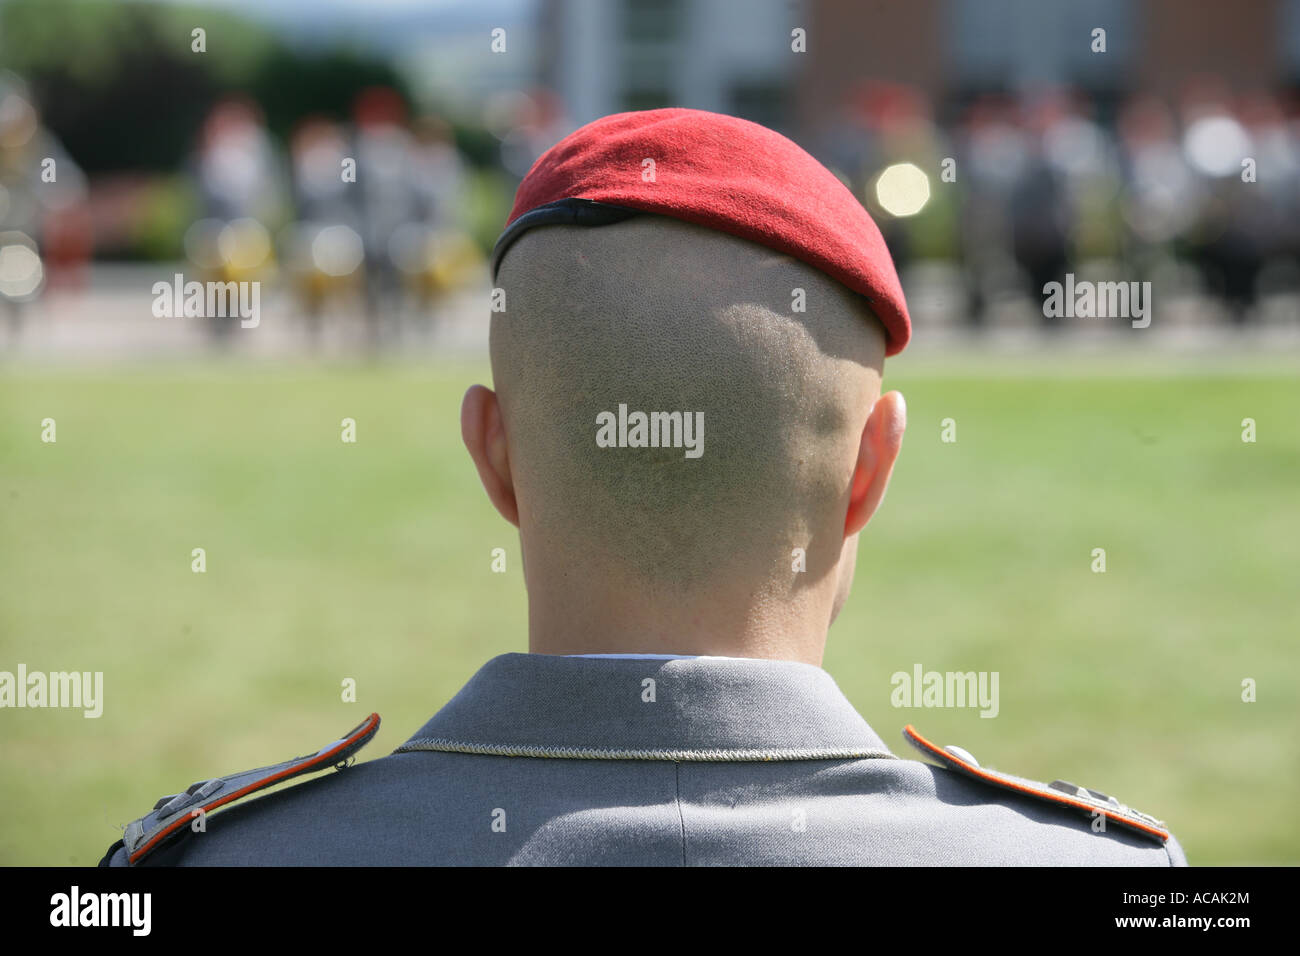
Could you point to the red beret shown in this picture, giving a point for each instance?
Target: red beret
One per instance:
(721, 172)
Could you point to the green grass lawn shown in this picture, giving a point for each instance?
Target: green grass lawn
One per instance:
(371, 561)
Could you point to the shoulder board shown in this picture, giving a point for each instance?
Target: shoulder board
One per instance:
(1089, 802)
(171, 816)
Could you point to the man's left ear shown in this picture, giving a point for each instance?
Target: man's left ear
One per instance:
(484, 434)
(882, 439)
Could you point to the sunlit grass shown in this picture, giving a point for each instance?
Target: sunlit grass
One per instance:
(328, 560)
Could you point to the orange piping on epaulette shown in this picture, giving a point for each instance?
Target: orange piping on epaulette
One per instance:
(292, 770)
(1055, 796)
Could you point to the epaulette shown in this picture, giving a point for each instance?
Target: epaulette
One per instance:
(1081, 799)
(170, 818)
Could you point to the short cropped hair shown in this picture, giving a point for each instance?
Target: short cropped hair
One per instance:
(658, 315)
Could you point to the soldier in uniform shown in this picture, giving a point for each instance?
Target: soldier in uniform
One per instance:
(687, 376)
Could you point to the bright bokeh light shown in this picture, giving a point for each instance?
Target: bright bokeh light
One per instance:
(21, 272)
(244, 244)
(337, 250)
(1216, 145)
(903, 189)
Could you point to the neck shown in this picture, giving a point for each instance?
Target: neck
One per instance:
(591, 610)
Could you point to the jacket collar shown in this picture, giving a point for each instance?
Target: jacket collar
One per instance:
(686, 709)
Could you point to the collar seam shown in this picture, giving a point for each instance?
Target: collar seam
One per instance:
(682, 755)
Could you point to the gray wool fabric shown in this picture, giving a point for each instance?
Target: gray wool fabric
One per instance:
(548, 760)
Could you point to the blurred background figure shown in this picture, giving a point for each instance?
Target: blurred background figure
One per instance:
(1083, 165)
(1222, 243)
(431, 250)
(45, 234)
(323, 249)
(1160, 194)
(242, 192)
(387, 198)
(1274, 214)
(995, 156)
(408, 209)
(527, 123)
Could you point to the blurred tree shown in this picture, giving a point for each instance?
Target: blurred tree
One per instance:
(290, 84)
(119, 83)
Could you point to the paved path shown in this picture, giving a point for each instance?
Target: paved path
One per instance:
(112, 318)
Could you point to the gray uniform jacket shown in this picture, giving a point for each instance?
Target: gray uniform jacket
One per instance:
(556, 760)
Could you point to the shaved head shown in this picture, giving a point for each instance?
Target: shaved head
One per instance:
(779, 363)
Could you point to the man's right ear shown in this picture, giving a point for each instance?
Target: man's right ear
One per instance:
(484, 434)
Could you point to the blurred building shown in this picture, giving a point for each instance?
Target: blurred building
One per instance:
(729, 56)
(604, 56)
(450, 64)
(953, 50)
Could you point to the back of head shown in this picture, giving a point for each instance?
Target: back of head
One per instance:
(777, 362)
